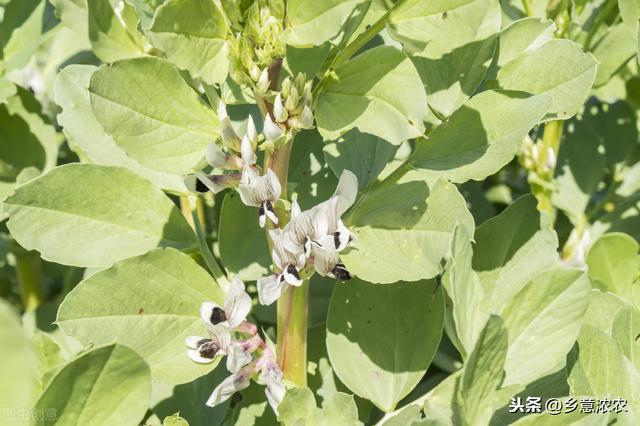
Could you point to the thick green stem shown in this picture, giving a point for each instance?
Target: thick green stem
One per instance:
(293, 313)
(550, 142)
(528, 8)
(28, 268)
(293, 305)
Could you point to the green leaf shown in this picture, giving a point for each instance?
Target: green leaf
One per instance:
(403, 230)
(481, 137)
(146, 9)
(50, 355)
(24, 26)
(109, 385)
(569, 74)
(113, 31)
(313, 22)
(340, 409)
(451, 42)
(189, 400)
(73, 14)
(298, 407)
(86, 215)
(150, 303)
(85, 132)
(543, 320)
(364, 155)
(614, 264)
(19, 147)
(160, 122)
(18, 367)
(310, 178)
(174, 420)
(192, 34)
(598, 367)
(381, 339)
(629, 10)
(625, 329)
(602, 135)
(512, 248)
(467, 317)
(483, 373)
(379, 92)
(615, 49)
(523, 36)
(7, 89)
(243, 245)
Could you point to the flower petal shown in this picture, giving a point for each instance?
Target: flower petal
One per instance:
(272, 132)
(195, 356)
(215, 183)
(237, 357)
(193, 341)
(247, 153)
(292, 276)
(232, 384)
(346, 191)
(270, 289)
(212, 313)
(215, 156)
(237, 304)
(275, 389)
(325, 255)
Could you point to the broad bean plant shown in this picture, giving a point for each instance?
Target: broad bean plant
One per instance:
(305, 212)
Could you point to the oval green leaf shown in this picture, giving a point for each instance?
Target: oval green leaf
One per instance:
(381, 339)
(160, 122)
(93, 216)
(150, 303)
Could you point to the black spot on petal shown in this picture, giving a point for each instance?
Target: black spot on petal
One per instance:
(201, 187)
(218, 315)
(336, 239)
(269, 206)
(261, 210)
(341, 273)
(293, 271)
(208, 349)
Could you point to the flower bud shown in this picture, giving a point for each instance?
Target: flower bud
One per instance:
(285, 87)
(292, 99)
(263, 82)
(254, 73)
(279, 112)
(252, 133)
(300, 82)
(272, 131)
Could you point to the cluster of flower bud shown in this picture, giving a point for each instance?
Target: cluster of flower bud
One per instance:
(259, 44)
(531, 157)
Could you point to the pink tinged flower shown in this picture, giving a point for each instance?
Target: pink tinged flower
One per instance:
(271, 377)
(204, 350)
(237, 305)
(232, 384)
(237, 357)
(262, 192)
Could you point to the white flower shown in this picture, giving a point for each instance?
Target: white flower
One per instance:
(203, 350)
(263, 82)
(272, 377)
(262, 192)
(288, 263)
(229, 136)
(237, 305)
(232, 384)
